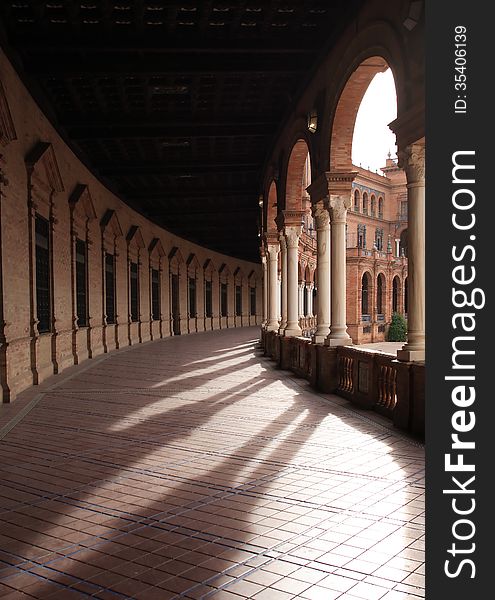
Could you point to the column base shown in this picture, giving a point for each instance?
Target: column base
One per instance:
(292, 332)
(405, 355)
(274, 326)
(342, 341)
(319, 338)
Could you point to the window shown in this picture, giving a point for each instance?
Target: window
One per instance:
(356, 201)
(379, 239)
(380, 208)
(252, 301)
(134, 282)
(223, 299)
(361, 236)
(365, 203)
(192, 297)
(365, 310)
(208, 299)
(110, 288)
(395, 294)
(379, 294)
(403, 210)
(81, 284)
(43, 275)
(373, 206)
(155, 295)
(238, 300)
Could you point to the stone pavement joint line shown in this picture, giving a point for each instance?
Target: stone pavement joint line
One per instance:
(193, 468)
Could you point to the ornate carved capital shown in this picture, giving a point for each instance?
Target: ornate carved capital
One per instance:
(412, 160)
(292, 234)
(338, 207)
(283, 245)
(320, 216)
(272, 249)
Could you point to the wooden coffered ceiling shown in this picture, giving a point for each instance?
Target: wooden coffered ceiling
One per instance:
(174, 105)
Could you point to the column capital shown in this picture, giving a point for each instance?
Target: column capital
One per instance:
(292, 233)
(320, 215)
(338, 205)
(412, 160)
(283, 244)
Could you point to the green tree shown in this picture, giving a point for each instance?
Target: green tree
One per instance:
(397, 332)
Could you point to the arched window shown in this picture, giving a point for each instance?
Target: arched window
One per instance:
(395, 294)
(365, 290)
(373, 206)
(380, 208)
(380, 291)
(405, 296)
(356, 200)
(365, 203)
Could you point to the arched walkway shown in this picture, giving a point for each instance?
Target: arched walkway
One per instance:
(190, 467)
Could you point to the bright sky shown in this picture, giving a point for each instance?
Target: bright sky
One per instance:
(372, 138)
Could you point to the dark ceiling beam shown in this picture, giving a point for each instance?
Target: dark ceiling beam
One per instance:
(176, 128)
(36, 41)
(221, 212)
(213, 194)
(69, 64)
(165, 168)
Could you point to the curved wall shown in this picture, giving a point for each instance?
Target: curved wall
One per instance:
(43, 182)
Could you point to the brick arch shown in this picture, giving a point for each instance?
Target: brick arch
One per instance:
(271, 208)
(346, 111)
(295, 175)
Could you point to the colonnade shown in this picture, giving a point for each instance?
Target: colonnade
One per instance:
(331, 199)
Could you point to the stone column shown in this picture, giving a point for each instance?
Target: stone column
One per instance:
(322, 224)
(272, 252)
(412, 159)
(397, 247)
(283, 264)
(338, 206)
(292, 233)
(309, 296)
(302, 287)
(265, 291)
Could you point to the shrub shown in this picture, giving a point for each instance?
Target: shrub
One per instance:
(397, 332)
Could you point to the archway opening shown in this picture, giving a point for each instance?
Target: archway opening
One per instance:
(365, 296)
(395, 294)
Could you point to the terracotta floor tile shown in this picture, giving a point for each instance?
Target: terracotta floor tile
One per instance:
(190, 463)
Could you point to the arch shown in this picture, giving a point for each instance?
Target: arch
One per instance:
(365, 293)
(307, 275)
(365, 203)
(380, 207)
(395, 294)
(381, 287)
(296, 172)
(373, 205)
(346, 111)
(271, 208)
(357, 203)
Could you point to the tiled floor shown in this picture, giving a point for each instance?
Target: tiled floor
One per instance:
(192, 468)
